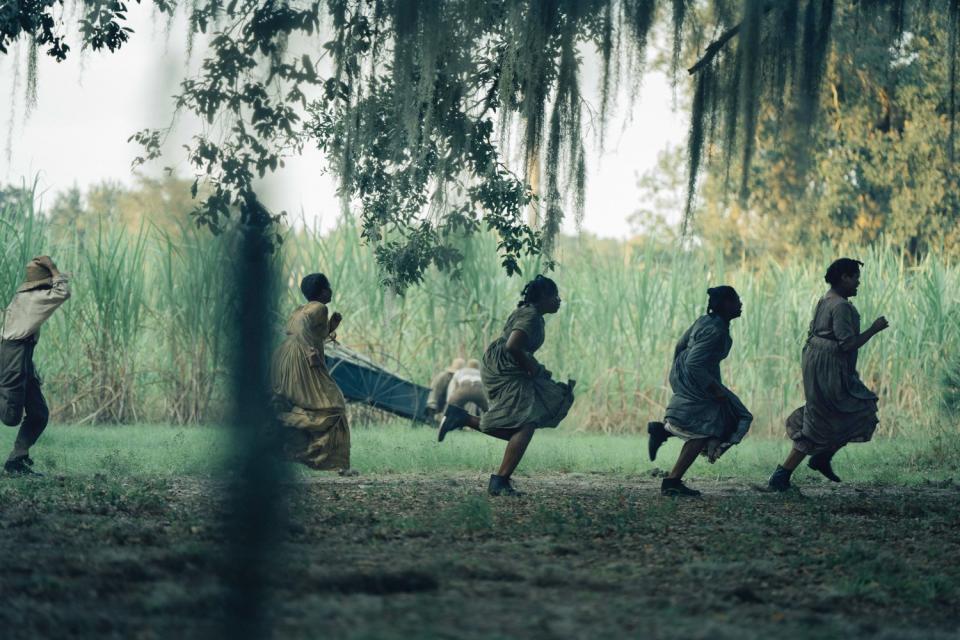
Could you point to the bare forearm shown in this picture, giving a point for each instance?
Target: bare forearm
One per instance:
(857, 342)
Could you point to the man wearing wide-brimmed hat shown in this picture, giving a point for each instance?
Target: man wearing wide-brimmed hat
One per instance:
(43, 290)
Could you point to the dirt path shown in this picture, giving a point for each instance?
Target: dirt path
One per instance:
(580, 556)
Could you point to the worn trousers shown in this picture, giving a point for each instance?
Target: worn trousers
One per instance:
(21, 395)
(35, 418)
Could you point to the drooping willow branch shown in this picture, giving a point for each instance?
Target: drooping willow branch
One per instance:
(758, 69)
(426, 94)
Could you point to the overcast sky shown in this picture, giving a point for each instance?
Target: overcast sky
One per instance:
(89, 105)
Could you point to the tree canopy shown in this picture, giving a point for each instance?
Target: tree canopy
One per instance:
(414, 101)
(878, 165)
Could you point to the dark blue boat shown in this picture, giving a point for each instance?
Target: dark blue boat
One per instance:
(363, 380)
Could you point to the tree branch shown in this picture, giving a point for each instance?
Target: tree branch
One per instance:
(714, 48)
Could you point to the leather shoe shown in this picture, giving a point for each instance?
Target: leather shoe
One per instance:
(780, 480)
(821, 462)
(19, 467)
(675, 488)
(658, 435)
(500, 486)
(453, 418)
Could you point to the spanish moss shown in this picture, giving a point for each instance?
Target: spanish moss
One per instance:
(749, 82)
(954, 27)
(418, 116)
(679, 15)
(698, 117)
(785, 56)
(816, 40)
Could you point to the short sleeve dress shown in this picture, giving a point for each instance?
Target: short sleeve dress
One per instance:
(694, 411)
(839, 407)
(309, 402)
(516, 399)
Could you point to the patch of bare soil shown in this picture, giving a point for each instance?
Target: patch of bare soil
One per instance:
(579, 556)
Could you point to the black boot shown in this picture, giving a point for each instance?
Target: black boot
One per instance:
(453, 418)
(821, 462)
(675, 488)
(657, 436)
(19, 467)
(500, 486)
(780, 480)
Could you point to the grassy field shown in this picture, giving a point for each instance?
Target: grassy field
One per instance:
(399, 448)
(124, 538)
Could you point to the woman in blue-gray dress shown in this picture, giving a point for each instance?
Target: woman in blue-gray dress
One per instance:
(702, 411)
(522, 394)
(839, 408)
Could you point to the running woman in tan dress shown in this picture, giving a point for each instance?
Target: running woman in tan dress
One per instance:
(839, 407)
(310, 406)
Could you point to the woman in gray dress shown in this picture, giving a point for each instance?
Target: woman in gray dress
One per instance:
(702, 411)
(839, 408)
(522, 394)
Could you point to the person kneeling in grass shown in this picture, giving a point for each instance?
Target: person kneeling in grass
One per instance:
(709, 416)
(43, 291)
(522, 395)
(839, 408)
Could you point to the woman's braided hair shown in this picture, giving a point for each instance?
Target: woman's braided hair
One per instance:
(537, 289)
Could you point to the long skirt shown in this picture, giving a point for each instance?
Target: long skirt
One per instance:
(839, 407)
(520, 402)
(319, 439)
(733, 420)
